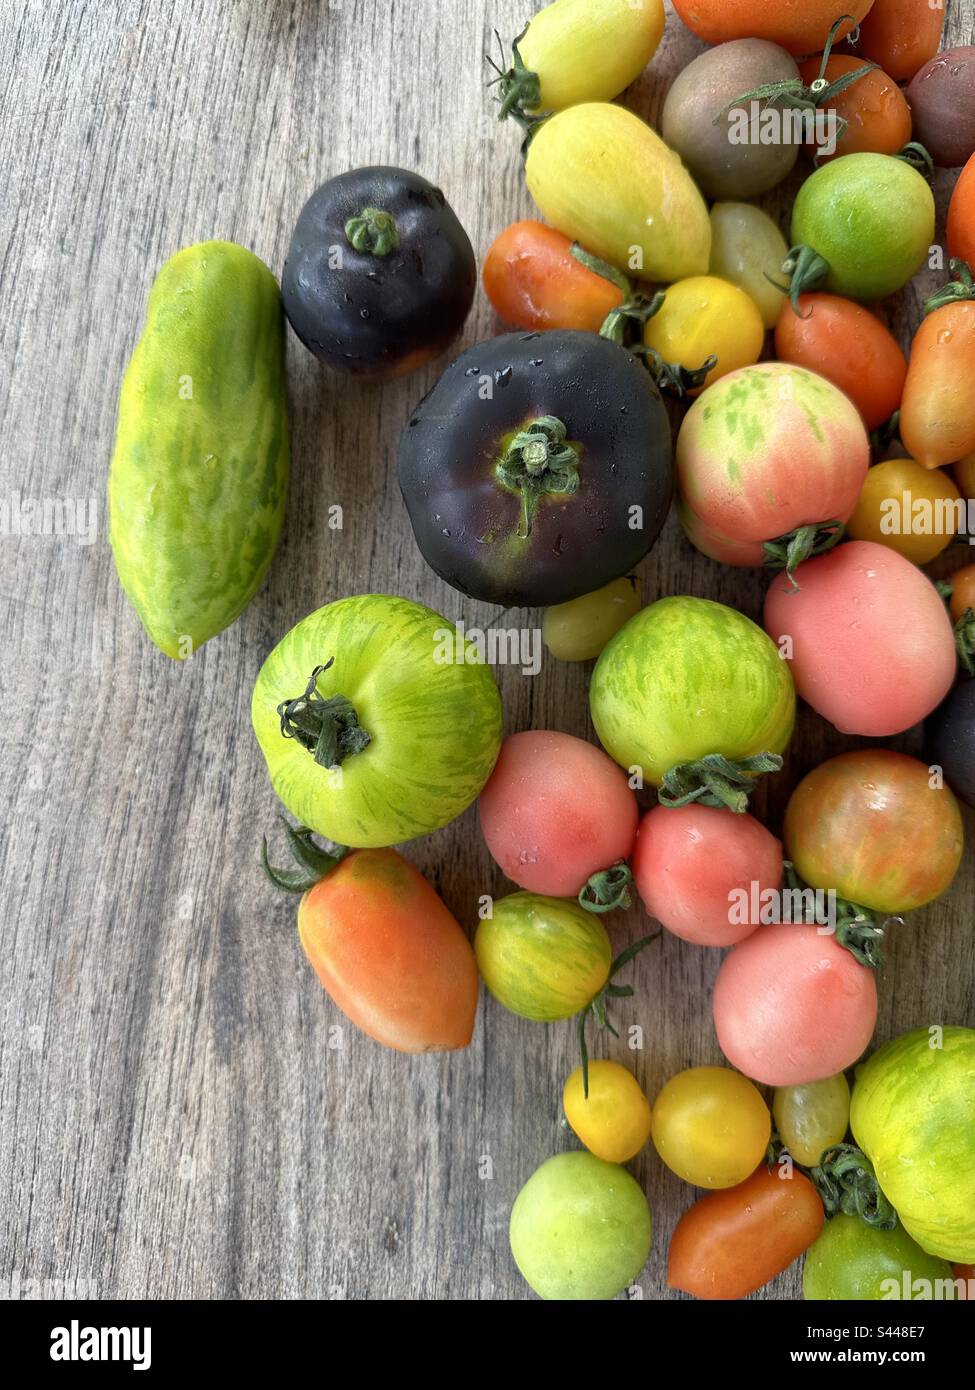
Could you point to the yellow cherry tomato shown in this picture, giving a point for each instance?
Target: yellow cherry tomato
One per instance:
(614, 1122)
(812, 1118)
(579, 629)
(705, 315)
(962, 591)
(746, 247)
(911, 509)
(711, 1126)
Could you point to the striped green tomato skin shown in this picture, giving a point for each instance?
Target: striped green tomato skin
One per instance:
(686, 677)
(542, 958)
(434, 724)
(913, 1115)
(199, 474)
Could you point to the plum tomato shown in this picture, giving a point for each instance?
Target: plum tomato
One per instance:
(711, 1126)
(701, 871)
(800, 28)
(702, 317)
(731, 1243)
(579, 629)
(850, 1260)
(961, 216)
(937, 419)
(949, 739)
(791, 1005)
(555, 812)
(869, 641)
(878, 118)
(901, 35)
(533, 281)
(850, 821)
(811, 1118)
(907, 507)
(746, 248)
(613, 1121)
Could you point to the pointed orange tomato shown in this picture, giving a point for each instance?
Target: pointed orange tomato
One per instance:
(534, 281)
(937, 422)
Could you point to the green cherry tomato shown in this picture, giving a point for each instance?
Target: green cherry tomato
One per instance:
(746, 248)
(711, 1126)
(813, 1117)
(851, 1260)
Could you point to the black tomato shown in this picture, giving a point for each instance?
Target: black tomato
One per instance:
(949, 739)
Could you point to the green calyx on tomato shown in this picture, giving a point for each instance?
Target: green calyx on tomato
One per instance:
(715, 780)
(789, 551)
(373, 231)
(607, 889)
(959, 287)
(597, 1005)
(519, 89)
(856, 927)
(846, 1181)
(539, 460)
(313, 861)
(329, 729)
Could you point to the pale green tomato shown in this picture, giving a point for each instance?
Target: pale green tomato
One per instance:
(812, 1117)
(746, 245)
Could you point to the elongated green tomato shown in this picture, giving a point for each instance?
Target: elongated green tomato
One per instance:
(580, 1228)
(580, 50)
(604, 178)
(913, 1115)
(812, 1118)
(199, 474)
(579, 629)
(542, 958)
(746, 248)
(851, 1260)
(378, 721)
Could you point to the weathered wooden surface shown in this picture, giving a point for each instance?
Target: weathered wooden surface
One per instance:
(175, 1119)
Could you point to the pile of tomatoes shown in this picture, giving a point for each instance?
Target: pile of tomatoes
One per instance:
(538, 472)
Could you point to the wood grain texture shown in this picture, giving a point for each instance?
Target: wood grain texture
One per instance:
(181, 1112)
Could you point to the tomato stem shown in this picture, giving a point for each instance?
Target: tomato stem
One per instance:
(597, 1005)
(918, 157)
(806, 269)
(373, 232)
(846, 1181)
(313, 861)
(715, 780)
(538, 461)
(328, 728)
(965, 641)
(958, 288)
(789, 551)
(856, 927)
(607, 889)
(519, 89)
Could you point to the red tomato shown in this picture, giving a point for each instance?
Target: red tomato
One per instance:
(878, 118)
(556, 810)
(792, 1005)
(534, 281)
(962, 591)
(801, 26)
(869, 640)
(902, 35)
(849, 346)
(695, 867)
(849, 821)
(961, 216)
(730, 1243)
(937, 422)
(966, 1272)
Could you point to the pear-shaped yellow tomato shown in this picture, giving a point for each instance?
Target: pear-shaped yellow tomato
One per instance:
(746, 248)
(603, 177)
(913, 510)
(613, 1121)
(705, 316)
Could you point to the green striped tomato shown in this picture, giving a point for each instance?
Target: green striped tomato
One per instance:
(542, 958)
(433, 724)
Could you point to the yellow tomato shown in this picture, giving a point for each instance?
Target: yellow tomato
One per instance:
(711, 1126)
(747, 247)
(589, 50)
(911, 509)
(614, 1122)
(601, 176)
(965, 475)
(705, 315)
(579, 629)
(962, 591)
(812, 1118)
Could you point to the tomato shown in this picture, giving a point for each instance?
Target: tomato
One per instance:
(384, 946)
(764, 452)
(851, 1260)
(686, 678)
(942, 100)
(542, 958)
(711, 1126)
(524, 494)
(579, 50)
(701, 871)
(901, 35)
(950, 739)
(937, 422)
(705, 316)
(730, 1243)
(604, 178)
(911, 509)
(799, 28)
(578, 630)
(878, 118)
(962, 591)
(913, 1115)
(961, 216)
(534, 281)
(580, 1228)
(866, 222)
(791, 1005)
(849, 346)
(613, 1121)
(811, 1118)
(966, 1274)
(964, 472)
(555, 812)
(870, 643)
(746, 248)
(370, 736)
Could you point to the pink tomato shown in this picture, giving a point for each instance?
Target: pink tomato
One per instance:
(868, 637)
(701, 871)
(791, 1005)
(555, 811)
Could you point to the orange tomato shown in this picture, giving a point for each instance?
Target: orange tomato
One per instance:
(911, 509)
(962, 591)
(801, 26)
(874, 107)
(732, 1242)
(849, 346)
(534, 281)
(902, 35)
(964, 472)
(937, 423)
(961, 216)
(966, 1272)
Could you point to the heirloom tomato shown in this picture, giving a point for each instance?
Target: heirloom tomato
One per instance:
(801, 28)
(901, 35)
(950, 739)
(811, 1118)
(942, 100)
(703, 317)
(877, 116)
(910, 508)
(746, 248)
(579, 629)
(711, 1126)
(937, 419)
(853, 1261)
(613, 1120)
(542, 958)
(534, 281)
(961, 216)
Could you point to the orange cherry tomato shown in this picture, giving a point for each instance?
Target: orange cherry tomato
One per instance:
(962, 591)
(961, 216)
(534, 281)
(732, 1242)
(849, 346)
(801, 27)
(902, 35)
(874, 107)
(937, 424)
